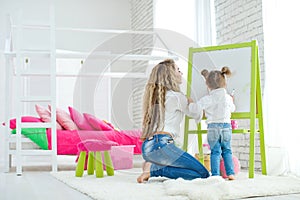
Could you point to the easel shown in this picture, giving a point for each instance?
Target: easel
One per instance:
(255, 105)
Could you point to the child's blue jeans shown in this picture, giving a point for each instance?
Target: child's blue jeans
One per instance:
(170, 161)
(219, 140)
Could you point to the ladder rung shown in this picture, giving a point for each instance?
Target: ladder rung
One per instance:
(36, 99)
(30, 53)
(36, 125)
(35, 74)
(30, 152)
(13, 139)
(33, 26)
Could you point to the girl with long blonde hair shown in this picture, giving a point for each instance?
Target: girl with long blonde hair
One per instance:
(164, 106)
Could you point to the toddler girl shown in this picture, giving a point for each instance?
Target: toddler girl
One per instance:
(217, 106)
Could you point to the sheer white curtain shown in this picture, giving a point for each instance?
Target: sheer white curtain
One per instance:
(192, 19)
(282, 99)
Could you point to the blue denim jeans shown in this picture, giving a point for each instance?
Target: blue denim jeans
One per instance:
(170, 161)
(219, 140)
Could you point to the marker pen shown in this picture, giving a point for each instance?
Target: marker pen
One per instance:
(232, 93)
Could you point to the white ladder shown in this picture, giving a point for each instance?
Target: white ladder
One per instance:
(18, 56)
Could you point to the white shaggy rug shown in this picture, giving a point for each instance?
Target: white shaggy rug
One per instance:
(124, 186)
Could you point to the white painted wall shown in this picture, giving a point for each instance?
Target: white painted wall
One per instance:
(101, 14)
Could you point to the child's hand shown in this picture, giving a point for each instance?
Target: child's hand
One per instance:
(190, 100)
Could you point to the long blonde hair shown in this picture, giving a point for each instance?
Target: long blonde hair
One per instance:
(162, 78)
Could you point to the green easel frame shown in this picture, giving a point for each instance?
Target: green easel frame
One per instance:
(255, 106)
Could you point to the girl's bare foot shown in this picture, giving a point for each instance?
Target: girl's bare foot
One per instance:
(146, 173)
(231, 177)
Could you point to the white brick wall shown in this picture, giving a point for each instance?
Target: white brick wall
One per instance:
(141, 19)
(236, 21)
(241, 21)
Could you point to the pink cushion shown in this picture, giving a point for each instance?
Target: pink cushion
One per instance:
(64, 119)
(96, 123)
(45, 115)
(79, 119)
(13, 122)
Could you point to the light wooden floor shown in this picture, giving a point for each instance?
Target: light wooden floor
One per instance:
(36, 186)
(36, 183)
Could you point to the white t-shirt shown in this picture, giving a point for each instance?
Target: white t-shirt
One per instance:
(218, 106)
(176, 106)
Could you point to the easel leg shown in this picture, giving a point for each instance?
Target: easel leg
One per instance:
(200, 148)
(186, 134)
(251, 156)
(260, 123)
(262, 149)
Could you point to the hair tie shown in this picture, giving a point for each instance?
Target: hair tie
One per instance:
(225, 76)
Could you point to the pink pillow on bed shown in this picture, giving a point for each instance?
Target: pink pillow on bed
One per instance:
(96, 123)
(64, 119)
(45, 115)
(109, 124)
(79, 119)
(13, 122)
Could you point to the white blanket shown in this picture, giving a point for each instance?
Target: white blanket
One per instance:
(124, 186)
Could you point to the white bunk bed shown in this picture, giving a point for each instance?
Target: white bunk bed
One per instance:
(15, 57)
